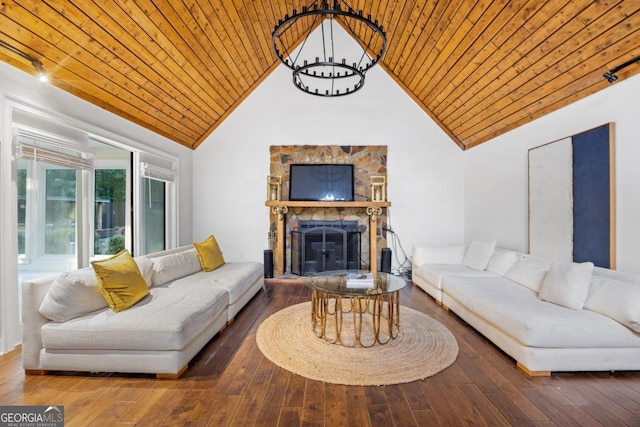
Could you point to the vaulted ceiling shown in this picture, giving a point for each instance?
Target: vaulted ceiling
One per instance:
(180, 67)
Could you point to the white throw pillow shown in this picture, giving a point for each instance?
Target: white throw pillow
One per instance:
(502, 261)
(615, 299)
(478, 255)
(77, 292)
(146, 269)
(174, 266)
(449, 254)
(567, 284)
(72, 294)
(528, 273)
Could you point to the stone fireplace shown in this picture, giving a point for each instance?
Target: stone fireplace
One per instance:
(367, 161)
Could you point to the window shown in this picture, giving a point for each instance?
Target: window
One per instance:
(60, 211)
(111, 211)
(21, 181)
(153, 221)
(156, 211)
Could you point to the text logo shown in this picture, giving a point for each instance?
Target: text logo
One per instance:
(31, 416)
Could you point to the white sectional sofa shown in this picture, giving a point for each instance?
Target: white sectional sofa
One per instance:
(67, 325)
(549, 316)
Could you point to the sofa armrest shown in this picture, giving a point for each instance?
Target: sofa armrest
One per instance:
(445, 254)
(33, 292)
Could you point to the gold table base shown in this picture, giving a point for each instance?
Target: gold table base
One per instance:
(380, 313)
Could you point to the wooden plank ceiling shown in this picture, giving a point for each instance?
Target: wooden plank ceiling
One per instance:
(179, 67)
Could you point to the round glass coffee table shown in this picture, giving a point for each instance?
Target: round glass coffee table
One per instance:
(372, 301)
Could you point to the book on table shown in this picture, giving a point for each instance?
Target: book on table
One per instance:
(360, 280)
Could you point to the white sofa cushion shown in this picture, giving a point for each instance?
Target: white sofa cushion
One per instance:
(529, 273)
(167, 319)
(567, 284)
(502, 261)
(518, 312)
(617, 299)
(448, 254)
(433, 273)
(235, 278)
(146, 269)
(174, 266)
(72, 294)
(478, 254)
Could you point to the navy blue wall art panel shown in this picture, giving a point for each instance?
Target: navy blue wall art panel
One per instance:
(592, 196)
(572, 198)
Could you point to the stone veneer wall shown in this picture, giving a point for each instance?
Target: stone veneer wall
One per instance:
(367, 161)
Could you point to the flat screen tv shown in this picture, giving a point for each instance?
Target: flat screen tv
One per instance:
(320, 182)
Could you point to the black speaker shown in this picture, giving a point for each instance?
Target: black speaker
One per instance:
(385, 260)
(268, 264)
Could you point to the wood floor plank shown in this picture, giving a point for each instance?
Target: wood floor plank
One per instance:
(222, 409)
(510, 409)
(335, 407)
(230, 383)
(439, 402)
(375, 396)
(294, 395)
(416, 399)
(426, 418)
(482, 407)
(399, 408)
(357, 410)
(313, 403)
(559, 409)
(274, 393)
(380, 415)
(254, 396)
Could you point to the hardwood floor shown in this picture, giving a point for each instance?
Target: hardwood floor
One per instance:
(231, 383)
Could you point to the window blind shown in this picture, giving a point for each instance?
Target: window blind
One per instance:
(157, 172)
(57, 151)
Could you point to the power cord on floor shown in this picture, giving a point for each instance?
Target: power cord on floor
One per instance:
(403, 261)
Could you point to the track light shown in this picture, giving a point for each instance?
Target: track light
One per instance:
(37, 64)
(611, 74)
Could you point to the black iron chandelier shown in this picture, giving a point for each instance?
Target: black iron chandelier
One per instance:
(319, 66)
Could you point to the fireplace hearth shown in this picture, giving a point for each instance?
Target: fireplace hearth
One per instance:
(318, 246)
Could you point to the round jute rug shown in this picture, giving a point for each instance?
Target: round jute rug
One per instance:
(423, 348)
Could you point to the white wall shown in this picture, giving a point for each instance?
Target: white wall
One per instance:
(496, 200)
(425, 178)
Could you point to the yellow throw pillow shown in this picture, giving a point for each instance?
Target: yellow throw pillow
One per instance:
(209, 254)
(121, 282)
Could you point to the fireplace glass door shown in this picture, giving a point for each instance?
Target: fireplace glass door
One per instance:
(324, 248)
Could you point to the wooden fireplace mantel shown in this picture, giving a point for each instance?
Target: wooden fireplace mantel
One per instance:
(281, 207)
